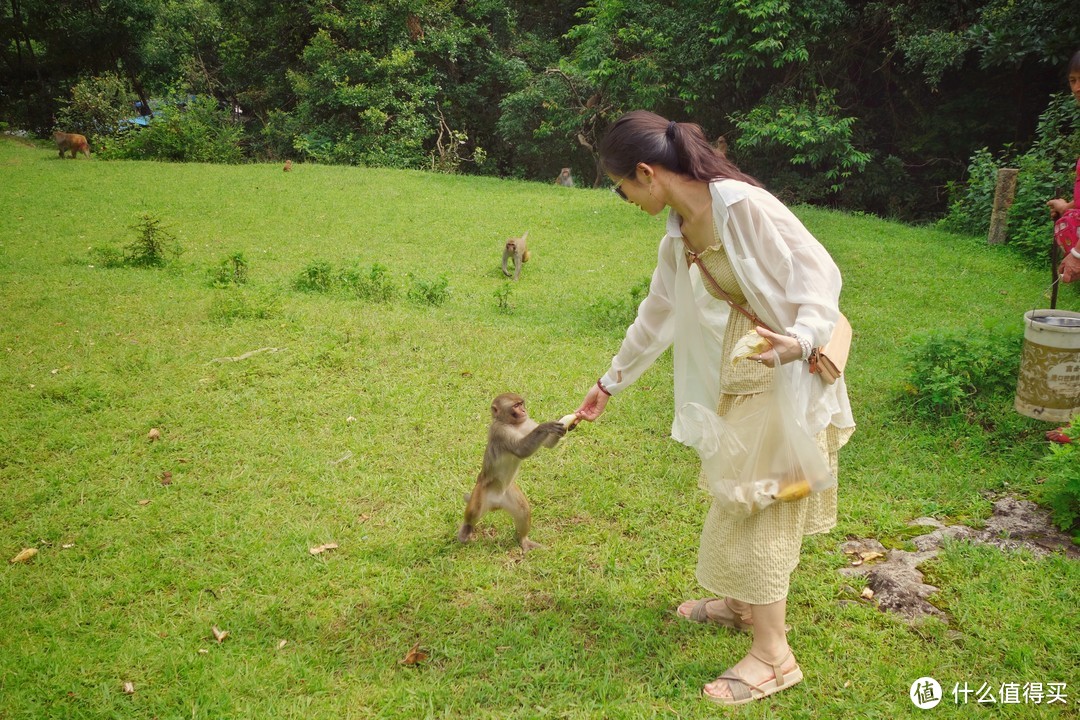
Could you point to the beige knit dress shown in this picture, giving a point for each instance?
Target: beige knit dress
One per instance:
(751, 558)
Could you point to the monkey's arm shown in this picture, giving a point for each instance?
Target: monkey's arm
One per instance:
(506, 254)
(544, 433)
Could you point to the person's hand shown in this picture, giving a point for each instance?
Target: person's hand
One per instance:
(593, 405)
(787, 347)
(1070, 268)
(1057, 207)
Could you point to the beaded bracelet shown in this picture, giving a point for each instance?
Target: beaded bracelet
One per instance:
(602, 388)
(805, 345)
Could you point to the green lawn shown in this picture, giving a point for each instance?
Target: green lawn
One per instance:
(133, 574)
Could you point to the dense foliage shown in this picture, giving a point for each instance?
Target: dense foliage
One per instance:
(867, 105)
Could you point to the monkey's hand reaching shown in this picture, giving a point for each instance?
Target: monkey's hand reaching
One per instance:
(555, 428)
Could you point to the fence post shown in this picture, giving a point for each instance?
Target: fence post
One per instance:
(1004, 193)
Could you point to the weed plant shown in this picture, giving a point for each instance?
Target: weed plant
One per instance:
(289, 420)
(233, 270)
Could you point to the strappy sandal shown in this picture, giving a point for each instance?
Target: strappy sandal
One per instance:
(743, 692)
(699, 615)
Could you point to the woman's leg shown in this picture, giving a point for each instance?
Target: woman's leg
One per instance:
(769, 647)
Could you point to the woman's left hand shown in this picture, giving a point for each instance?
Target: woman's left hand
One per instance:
(786, 347)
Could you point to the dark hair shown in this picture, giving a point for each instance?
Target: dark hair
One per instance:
(1074, 64)
(645, 137)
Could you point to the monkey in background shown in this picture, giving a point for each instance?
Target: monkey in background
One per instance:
(565, 179)
(73, 142)
(516, 248)
(288, 166)
(512, 437)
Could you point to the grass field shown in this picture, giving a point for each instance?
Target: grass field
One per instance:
(365, 422)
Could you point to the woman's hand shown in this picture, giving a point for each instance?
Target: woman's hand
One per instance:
(1057, 207)
(1069, 269)
(594, 404)
(786, 347)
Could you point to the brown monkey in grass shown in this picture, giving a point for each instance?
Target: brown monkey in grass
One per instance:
(73, 142)
(516, 248)
(512, 437)
(565, 178)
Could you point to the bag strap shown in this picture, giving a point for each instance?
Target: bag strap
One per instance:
(696, 259)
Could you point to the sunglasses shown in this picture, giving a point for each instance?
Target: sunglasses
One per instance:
(619, 191)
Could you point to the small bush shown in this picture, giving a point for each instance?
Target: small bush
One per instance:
(429, 292)
(154, 245)
(233, 270)
(376, 285)
(198, 130)
(316, 277)
(502, 299)
(1061, 490)
(962, 372)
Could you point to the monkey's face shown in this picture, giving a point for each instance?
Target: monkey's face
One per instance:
(509, 409)
(511, 246)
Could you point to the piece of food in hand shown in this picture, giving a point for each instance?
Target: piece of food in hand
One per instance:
(749, 344)
(794, 491)
(570, 421)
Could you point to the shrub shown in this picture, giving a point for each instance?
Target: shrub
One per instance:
(98, 105)
(502, 299)
(376, 285)
(316, 277)
(1047, 170)
(153, 246)
(233, 270)
(962, 372)
(1061, 490)
(429, 292)
(196, 130)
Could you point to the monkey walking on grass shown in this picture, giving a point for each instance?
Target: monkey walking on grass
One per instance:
(512, 437)
(517, 249)
(71, 141)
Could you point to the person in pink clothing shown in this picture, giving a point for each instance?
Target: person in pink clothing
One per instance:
(1066, 217)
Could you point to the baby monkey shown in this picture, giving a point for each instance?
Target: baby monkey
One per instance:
(512, 437)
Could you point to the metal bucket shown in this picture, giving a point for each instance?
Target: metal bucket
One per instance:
(1048, 387)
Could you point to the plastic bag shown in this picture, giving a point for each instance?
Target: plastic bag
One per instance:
(760, 452)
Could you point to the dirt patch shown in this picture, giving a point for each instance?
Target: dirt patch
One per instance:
(896, 581)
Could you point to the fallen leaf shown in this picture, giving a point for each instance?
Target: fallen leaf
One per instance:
(204, 651)
(129, 688)
(153, 435)
(322, 548)
(867, 593)
(350, 419)
(414, 657)
(868, 555)
(282, 644)
(144, 502)
(166, 478)
(220, 635)
(24, 555)
(364, 518)
(68, 546)
(856, 562)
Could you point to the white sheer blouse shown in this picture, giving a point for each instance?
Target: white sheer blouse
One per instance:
(790, 282)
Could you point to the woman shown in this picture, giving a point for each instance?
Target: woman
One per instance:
(759, 253)
(1066, 217)
(1065, 214)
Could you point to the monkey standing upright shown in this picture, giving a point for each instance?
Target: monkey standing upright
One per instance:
(73, 142)
(516, 248)
(512, 437)
(565, 178)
